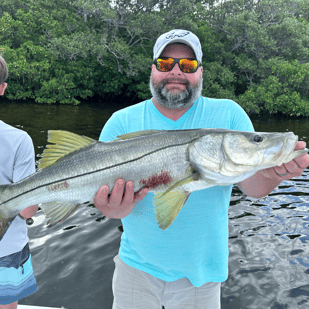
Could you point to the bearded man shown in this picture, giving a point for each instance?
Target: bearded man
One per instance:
(181, 267)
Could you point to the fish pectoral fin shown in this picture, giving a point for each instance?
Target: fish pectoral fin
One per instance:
(65, 143)
(136, 134)
(168, 205)
(58, 211)
(182, 182)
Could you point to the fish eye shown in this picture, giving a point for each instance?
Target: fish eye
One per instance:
(258, 138)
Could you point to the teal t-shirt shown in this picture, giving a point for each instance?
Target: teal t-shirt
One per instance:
(195, 246)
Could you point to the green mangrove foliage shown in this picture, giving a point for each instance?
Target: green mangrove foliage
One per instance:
(285, 89)
(256, 52)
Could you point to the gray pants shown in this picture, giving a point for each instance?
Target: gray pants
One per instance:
(135, 289)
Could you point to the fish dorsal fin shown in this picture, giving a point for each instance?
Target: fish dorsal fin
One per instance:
(65, 143)
(137, 134)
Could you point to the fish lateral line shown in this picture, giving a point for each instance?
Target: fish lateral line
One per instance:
(92, 172)
(58, 186)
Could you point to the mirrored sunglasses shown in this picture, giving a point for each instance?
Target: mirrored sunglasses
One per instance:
(185, 65)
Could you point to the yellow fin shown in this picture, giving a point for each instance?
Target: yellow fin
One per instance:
(168, 203)
(57, 211)
(167, 206)
(66, 142)
(180, 183)
(137, 133)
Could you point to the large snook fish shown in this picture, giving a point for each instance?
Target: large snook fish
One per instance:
(171, 163)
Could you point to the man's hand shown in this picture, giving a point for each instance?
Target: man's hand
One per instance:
(291, 169)
(121, 201)
(29, 212)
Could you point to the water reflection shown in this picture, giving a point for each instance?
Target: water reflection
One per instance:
(73, 261)
(269, 258)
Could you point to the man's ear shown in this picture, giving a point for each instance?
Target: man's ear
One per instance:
(2, 88)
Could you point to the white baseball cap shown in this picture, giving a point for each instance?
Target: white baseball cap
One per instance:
(178, 36)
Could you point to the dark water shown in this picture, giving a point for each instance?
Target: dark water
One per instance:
(73, 261)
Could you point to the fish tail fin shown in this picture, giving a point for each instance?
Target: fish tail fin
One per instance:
(5, 219)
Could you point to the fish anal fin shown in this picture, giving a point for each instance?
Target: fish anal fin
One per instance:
(65, 143)
(137, 134)
(168, 205)
(58, 211)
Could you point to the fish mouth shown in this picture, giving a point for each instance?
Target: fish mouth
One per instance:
(290, 144)
(287, 149)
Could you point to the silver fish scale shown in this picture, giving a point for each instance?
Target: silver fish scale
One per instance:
(169, 162)
(79, 175)
(157, 160)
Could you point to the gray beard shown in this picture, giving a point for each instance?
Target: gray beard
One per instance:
(180, 100)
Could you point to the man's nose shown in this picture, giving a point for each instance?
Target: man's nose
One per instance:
(176, 69)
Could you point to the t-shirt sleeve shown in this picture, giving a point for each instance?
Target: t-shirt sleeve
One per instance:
(24, 163)
(240, 121)
(112, 128)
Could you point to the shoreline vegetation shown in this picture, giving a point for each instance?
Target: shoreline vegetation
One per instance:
(73, 51)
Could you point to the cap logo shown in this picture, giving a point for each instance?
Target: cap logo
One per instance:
(173, 35)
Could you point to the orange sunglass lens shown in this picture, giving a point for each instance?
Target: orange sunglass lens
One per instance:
(165, 65)
(188, 66)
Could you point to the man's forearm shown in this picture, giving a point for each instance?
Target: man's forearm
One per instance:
(259, 184)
